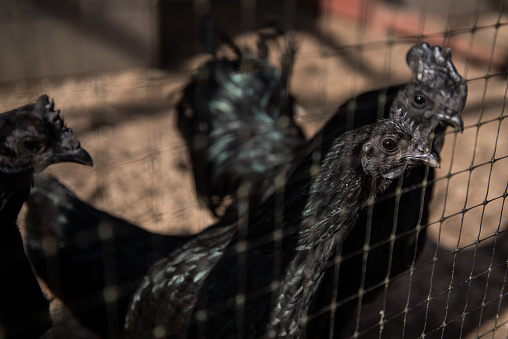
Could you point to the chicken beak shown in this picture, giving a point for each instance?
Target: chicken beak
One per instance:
(453, 119)
(68, 149)
(77, 155)
(423, 157)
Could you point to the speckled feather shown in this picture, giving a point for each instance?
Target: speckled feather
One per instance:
(179, 288)
(237, 118)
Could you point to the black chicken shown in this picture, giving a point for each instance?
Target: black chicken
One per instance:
(237, 118)
(270, 285)
(32, 137)
(433, 99)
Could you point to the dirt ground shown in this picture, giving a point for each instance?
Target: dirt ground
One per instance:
(126, 120)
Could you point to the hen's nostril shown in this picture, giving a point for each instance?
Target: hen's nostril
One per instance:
(423, 149)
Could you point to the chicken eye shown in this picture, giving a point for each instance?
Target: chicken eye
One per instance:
(32, 145)
(419, 101)
(389, 144)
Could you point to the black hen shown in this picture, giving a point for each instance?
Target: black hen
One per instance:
(237, 118)
(32, 137)
(433, 99)
(225, 284)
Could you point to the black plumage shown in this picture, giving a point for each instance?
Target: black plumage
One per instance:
(435, 80)
(99, 259)
(196, 289)
(237, 117)
(433, 99)
(240, 108)
(32, 137)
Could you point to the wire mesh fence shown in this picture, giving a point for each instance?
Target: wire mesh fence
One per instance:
(117, 70)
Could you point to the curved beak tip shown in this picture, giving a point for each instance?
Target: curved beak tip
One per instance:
(84, 158)
(460, 125)
(429, 159)
(88, 161)
(426, 159)
(78, 155)
(432, 161)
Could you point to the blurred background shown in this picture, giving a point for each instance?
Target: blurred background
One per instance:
(116, 68)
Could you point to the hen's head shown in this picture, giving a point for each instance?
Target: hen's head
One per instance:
(393, 148)
(437, 94)
(34, 136)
